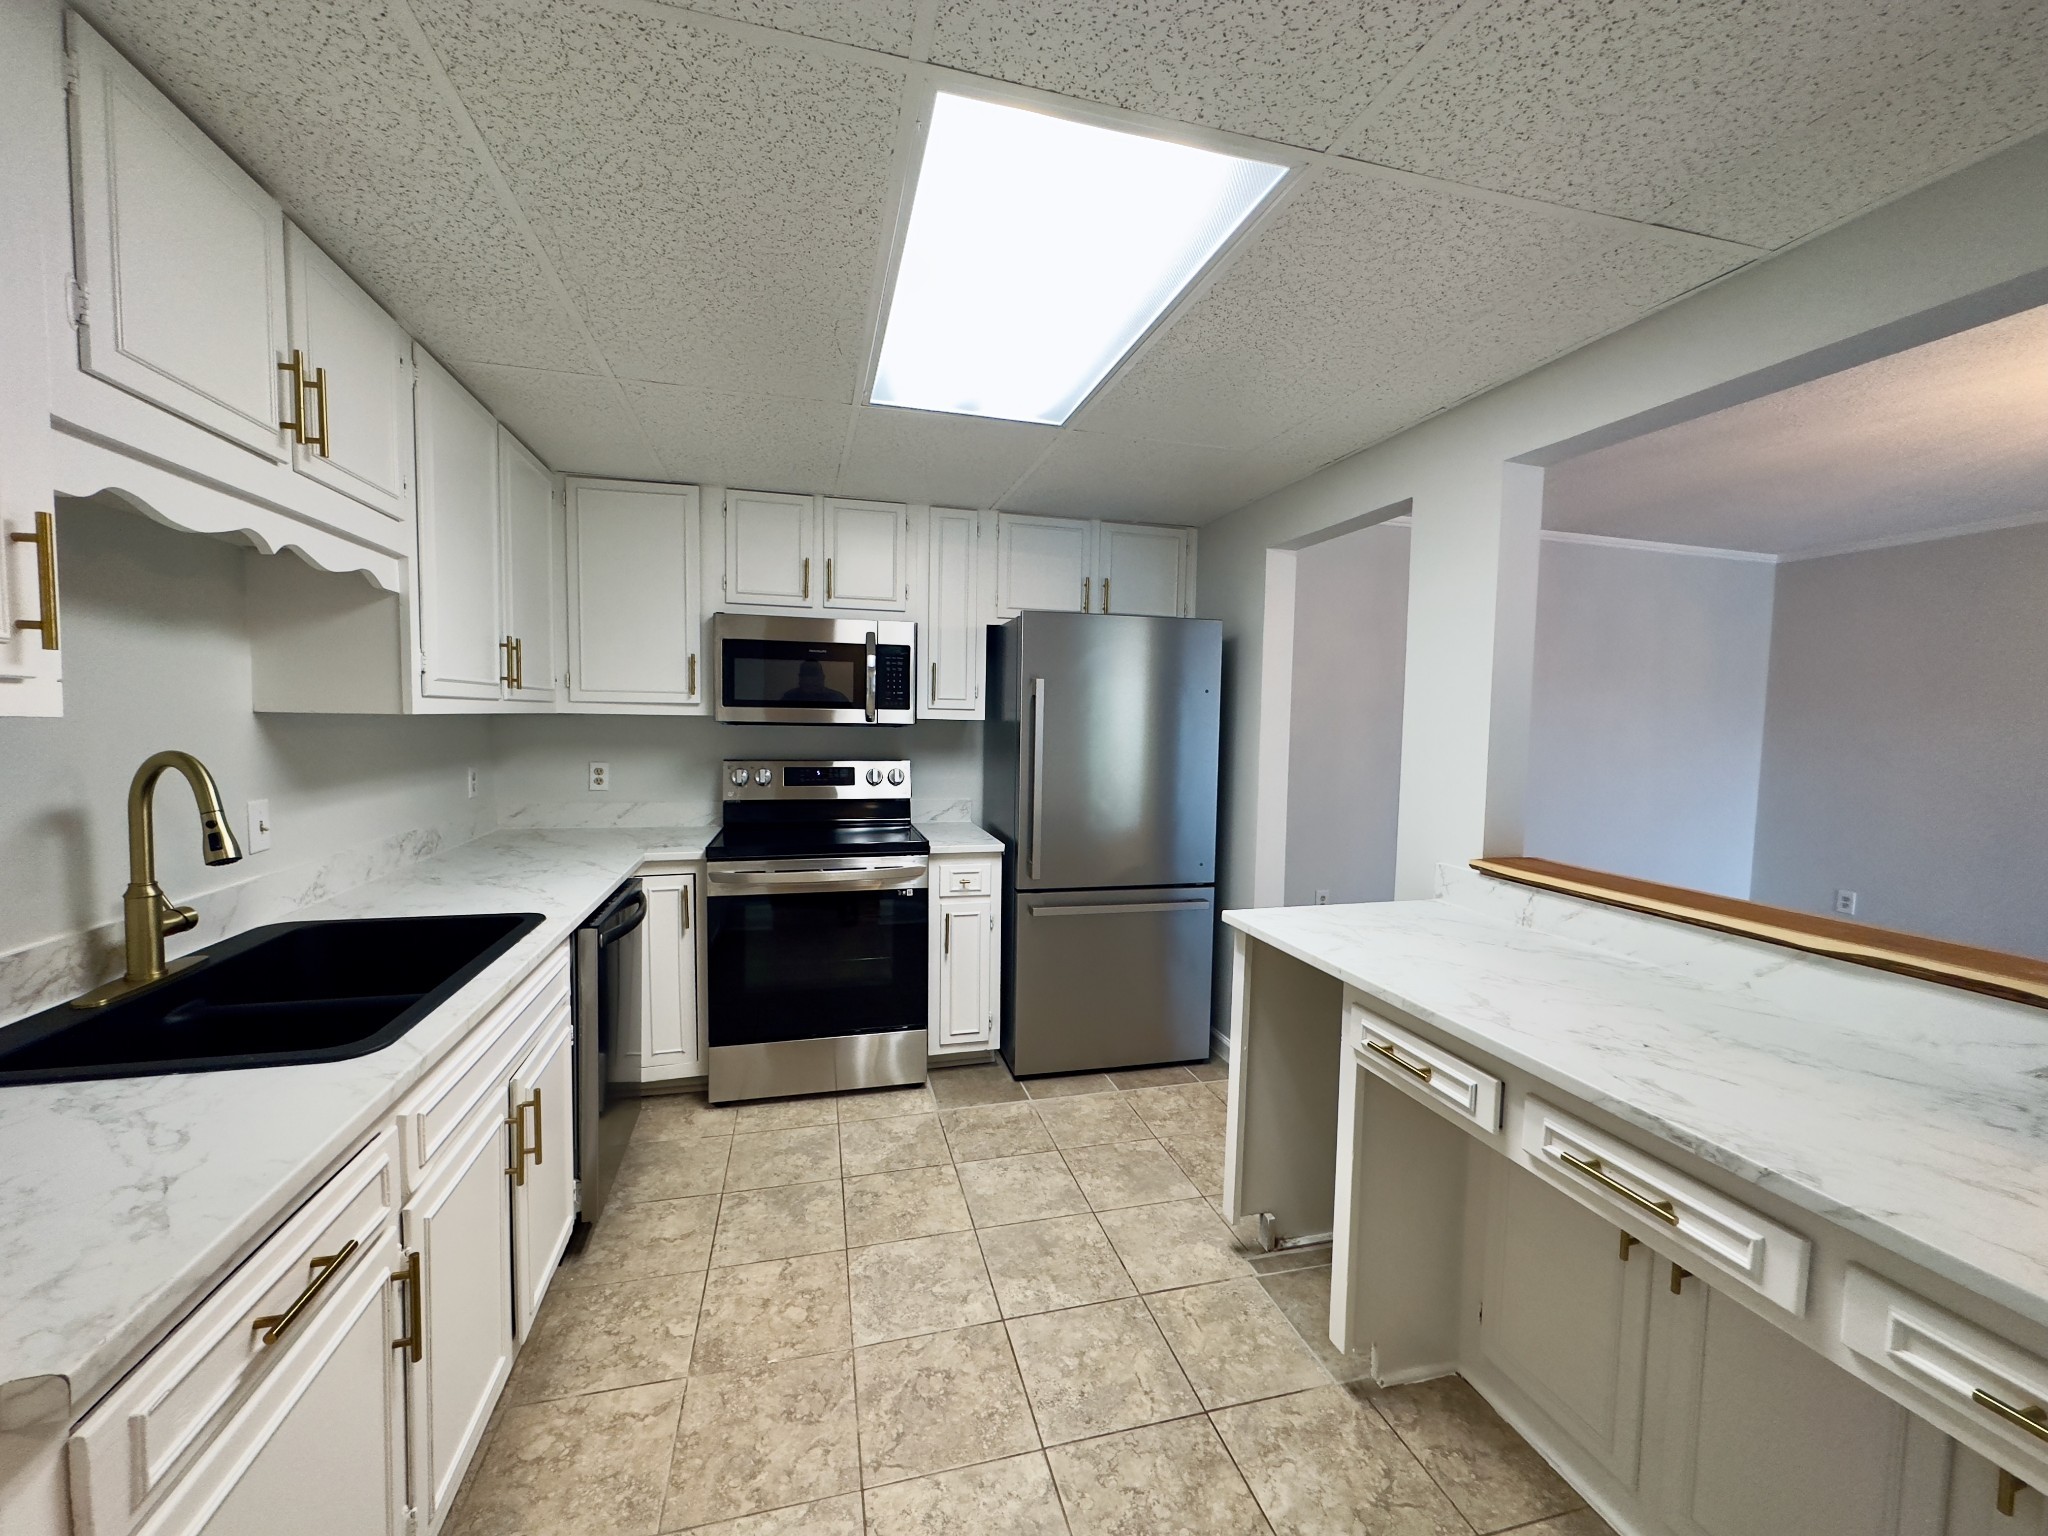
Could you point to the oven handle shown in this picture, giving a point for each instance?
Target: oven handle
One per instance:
(871, 677)
(796, 881)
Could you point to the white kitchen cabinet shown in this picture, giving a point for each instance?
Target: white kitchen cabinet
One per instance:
(954, 635)
(457, 1228)
(1043, 563)
(666, 1041)
(526, 497)
(1565, 1317)
(770, 544)
(462, 649)
(1142, 568)
(634, 632)
(867, 554)
(181, 258)
(542, 1109)
(966, 965)
(355, 400)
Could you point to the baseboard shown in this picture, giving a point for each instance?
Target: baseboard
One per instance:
(1590, 1481)
(1412, 1374)
(1219, 1047)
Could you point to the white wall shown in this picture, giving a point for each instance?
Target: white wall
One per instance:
(1344, 763)
(1647, 717)
(156, 656)
(1906, 745)
(1984, 226)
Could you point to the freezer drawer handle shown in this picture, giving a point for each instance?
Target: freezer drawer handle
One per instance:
(1132, 906)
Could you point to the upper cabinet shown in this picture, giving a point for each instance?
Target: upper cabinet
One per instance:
(527, 528)
(181, 257)
(463, 654)
(348, 384)
(634, 632)
(1072, 566)
(954, 634)
(808, 552)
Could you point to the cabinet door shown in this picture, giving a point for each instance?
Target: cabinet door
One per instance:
(966, 965)
(1141, 569)
(634, 633)
(768, 539)
(1762, 1435)
(461, 633)
(867, 554)
(526, 496)
(460, 1226)
(954, 637)
(543, 1100)
(360, 420)
(182, 257)
(1041, 563)
(1566, 1317)
(671, 1041)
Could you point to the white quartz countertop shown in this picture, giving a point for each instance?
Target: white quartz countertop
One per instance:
(122, 1201)
(1912, 1114)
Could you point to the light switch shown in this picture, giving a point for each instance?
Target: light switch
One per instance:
(259, 826)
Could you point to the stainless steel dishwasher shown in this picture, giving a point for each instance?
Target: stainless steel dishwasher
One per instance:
(606, 983)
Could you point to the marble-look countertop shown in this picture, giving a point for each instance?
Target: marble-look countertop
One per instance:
(1911, 1114)
(122, 1201)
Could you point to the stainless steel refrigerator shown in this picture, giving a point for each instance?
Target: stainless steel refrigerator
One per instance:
(1099, 775)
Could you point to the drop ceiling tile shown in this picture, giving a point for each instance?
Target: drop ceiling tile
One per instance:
(331, 108)
(579, 425)
(883, 25)
(950, 461)
(764, 442)
(1134, 480)
(714, 204)
(1292, 70)
(1755, 122)
(1353, 285)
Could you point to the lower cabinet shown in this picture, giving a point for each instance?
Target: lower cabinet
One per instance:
(666, 1040)
(543, 1125)
(966, 958)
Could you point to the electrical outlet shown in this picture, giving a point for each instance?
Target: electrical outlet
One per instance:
(1322, 898)
(259, 826)
(472, 783)
(1845, 903)
(600, 777)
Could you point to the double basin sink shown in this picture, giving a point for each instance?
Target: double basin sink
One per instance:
(281, 995)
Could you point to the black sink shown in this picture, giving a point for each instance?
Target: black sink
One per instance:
(275, 996)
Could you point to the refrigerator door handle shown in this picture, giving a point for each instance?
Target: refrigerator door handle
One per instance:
(1037, 769)
(1130, 906)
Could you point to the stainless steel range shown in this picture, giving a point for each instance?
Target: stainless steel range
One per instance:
(816, 931)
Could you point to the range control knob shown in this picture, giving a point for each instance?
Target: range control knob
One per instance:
(739, 775)
(874, 775)
(764, 776)
(895, 775)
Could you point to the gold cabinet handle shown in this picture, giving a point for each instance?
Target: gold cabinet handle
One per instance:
(1678, 1278)
(518, 662)
(933, 692)
(828, 578)
(1087, 592)
(807, 578)
(413, 1340)
(297, 395)
(1595, 1170)
(505, 675)
(693, 674)
(45, 541)
(516, 1122)
(318, 387)
(1423, 1072)
(1105, 594)
(2033, 1420)
(539, 1131)
(325, 1268)
(1628, 1243)
(949, 934)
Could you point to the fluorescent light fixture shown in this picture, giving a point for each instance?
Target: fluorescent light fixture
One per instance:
(1040, 250)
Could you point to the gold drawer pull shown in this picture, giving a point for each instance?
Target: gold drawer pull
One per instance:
(413, 1340)
(1593, 1169)
(45, 541)
(1424, 1072)
(325, 1268)
(2032, 1420)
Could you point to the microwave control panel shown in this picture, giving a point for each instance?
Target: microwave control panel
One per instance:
(892, 677)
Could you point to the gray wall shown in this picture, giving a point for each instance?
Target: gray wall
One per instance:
(1647, 716)
(1344, 766)
(1906, 743)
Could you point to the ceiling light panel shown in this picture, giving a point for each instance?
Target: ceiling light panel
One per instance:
(1040, 250)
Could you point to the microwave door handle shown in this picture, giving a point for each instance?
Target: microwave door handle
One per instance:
(1037, 769)
(871, 677)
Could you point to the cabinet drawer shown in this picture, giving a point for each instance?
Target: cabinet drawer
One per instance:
(963, 879)
(149, 1428)
(477, 1068)
(1674, 1214)
(1430, 1072)
(1967, 1380)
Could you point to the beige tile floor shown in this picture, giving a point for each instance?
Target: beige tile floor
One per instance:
(981, 1306)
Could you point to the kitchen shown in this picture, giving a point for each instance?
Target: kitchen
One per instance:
(479, 646)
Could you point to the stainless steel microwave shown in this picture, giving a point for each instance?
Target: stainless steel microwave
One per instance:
(777, 671)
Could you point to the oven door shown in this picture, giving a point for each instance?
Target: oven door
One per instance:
(817, 975)
(813, 671)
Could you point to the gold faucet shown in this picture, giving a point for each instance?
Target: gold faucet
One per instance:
(150, 915)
